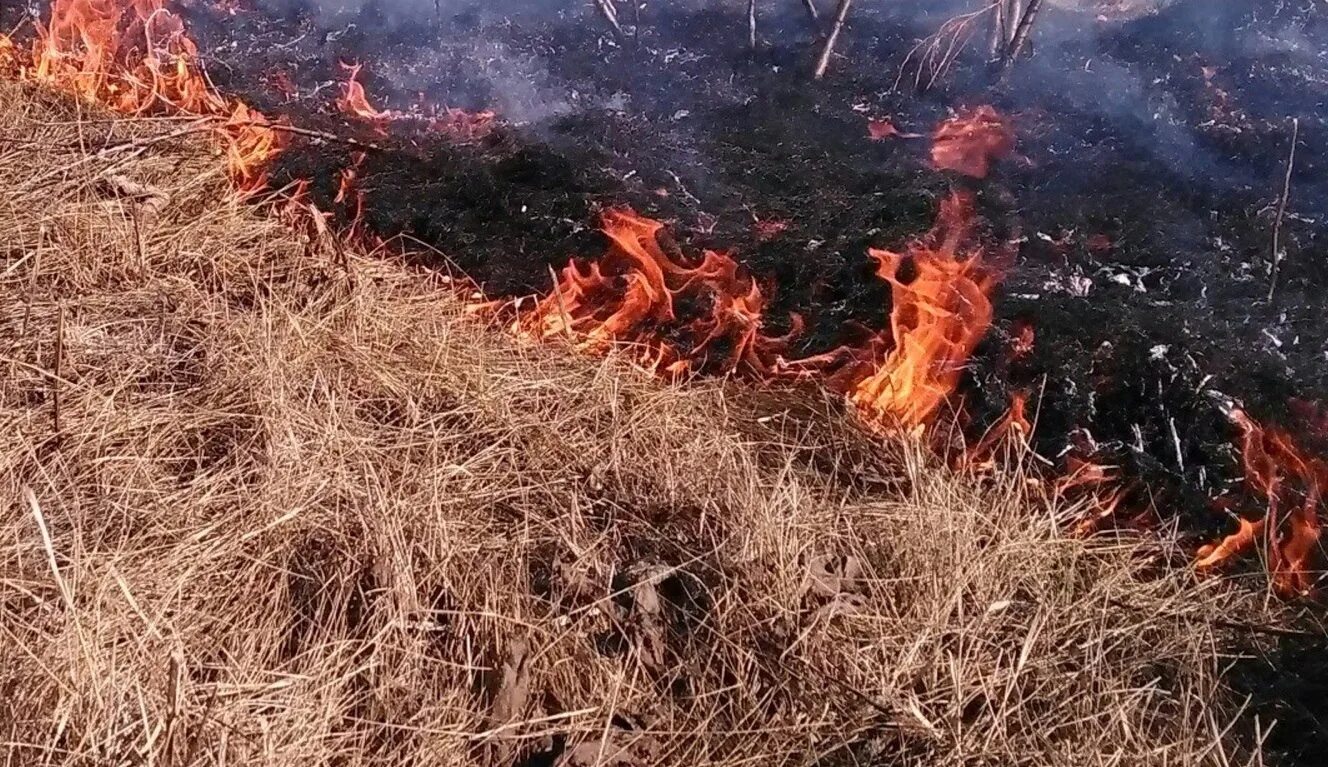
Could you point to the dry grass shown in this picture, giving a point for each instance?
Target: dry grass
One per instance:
(296, 516)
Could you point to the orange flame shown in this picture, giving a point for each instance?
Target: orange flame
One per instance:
(134, 57)
(1012, 431)
(354, 100)
(937, 320)
(970, 142)
(680, 317)
(1276, 469)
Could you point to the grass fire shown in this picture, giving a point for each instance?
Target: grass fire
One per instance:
(526, 383)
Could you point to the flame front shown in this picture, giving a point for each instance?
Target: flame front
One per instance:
(938, 318)
(679, 317)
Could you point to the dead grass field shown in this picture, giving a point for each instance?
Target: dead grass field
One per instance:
(299, 510)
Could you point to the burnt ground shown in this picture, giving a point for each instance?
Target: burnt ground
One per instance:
(1151, 159)
(1151, 156)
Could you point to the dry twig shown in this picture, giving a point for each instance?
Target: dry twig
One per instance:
(1281, 207)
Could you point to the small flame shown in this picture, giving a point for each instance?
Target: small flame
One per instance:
(349, 193)
(970, 142)
(678, 317)
(354, 100)
(937, 320)
(1277, 470)
(1013, 431)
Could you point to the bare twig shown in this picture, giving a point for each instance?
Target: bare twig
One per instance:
(823, 61)
(751, 24)
(1281, 207)
(610, 15)
(935, 54)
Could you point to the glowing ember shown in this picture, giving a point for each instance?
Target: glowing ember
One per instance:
(1024, 337)
(354, 100)
(1277, 470)
(766, 229)
(462, 126)
(970, 142)
(880, 129)
(678, 317)
(939, 315)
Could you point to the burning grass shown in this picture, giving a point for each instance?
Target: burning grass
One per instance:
(272, 502)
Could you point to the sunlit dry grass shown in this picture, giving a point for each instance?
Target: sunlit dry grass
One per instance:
(297, 509)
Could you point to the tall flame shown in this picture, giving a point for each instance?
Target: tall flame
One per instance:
(938, 318)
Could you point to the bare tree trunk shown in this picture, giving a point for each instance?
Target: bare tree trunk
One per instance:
(1021, 32)
(823, 61)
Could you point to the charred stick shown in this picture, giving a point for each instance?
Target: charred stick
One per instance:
(325, 136)
(751, 24)
(1281, 208)
(823, 61)
(1021, 32)
(636, 23)
(610, 15)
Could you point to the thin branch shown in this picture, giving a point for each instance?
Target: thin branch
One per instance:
(996, 36)
(325, 136)
(1281, 208)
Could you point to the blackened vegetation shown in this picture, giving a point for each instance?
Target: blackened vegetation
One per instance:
(1151, 158)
